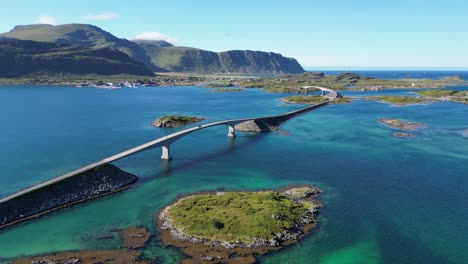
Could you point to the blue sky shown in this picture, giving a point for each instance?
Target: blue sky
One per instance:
(326, 33)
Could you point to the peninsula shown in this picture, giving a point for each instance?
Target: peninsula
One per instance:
(233, 226)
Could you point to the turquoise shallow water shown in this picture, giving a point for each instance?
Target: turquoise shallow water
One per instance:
(387, 199)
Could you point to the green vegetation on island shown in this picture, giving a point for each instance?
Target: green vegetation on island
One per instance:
(227, 90)
(397, 100)
(291, 83)
(446, 95)
(174, 121)
(304, 99)
(235, 225)
(236, 216)
(438, 93)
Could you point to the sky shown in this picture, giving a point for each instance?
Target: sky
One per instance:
(318, 33)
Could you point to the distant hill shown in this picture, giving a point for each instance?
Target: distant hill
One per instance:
(83, 35)
(20, 58)
(161, 56)
(186, 59)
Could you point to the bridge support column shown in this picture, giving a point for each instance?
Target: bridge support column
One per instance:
(166, 152)
(306, 90)
(323, 92)
(231, 132)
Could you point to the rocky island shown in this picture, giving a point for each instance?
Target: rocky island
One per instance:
(445, 95)
(230, 227)
(313, 99)
(398, 100)
(133, 238)
(304, 99)
(175, 121)
(399, 124)
(402, 125)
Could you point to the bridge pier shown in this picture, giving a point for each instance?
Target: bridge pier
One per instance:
(166, 152)
(323, 92)
(231, 132)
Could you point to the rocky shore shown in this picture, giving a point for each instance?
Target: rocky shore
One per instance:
(87, 185)
(175, 121)
(211, 250)
(133, 238)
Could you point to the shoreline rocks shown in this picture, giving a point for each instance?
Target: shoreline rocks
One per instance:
(132, 238)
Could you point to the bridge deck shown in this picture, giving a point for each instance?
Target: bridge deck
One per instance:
(167, 140)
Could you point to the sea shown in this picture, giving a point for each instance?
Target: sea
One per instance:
(386, 199)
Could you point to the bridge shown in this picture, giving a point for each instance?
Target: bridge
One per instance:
(260, 124)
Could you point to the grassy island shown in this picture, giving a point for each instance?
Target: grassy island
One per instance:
(304, 99)
(227, 90)
(235, 225)
(397, 100)
(236, 216)
(446, 95)
(174, 121)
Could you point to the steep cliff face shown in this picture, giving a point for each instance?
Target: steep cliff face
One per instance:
(101, 180)
(25, 58)
(186, 59)
(256, 61)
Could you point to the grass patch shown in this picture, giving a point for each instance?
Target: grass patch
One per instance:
(399, 100)
(236, 216)
(227, 90)
(304, 99)
(438, 93)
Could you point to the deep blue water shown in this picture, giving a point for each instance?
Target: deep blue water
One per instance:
(387, 199)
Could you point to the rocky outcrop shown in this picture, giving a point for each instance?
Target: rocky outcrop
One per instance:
(404, 125)
(132, 238)
(90, 184)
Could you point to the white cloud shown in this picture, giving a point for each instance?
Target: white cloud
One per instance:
(156, 36)
(46, 20)
(102, 16)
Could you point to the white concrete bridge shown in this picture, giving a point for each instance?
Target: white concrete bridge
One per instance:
(265, 123)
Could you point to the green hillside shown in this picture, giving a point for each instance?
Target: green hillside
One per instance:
(83, 35)
(25, 58)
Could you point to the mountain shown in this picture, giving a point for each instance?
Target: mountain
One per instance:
(186, 59)
(20, 58)
(160, 56)
(83, 35)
